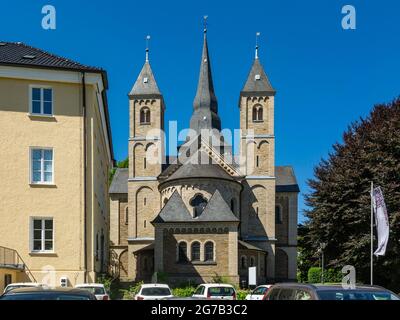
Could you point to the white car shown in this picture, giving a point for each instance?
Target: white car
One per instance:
(97, 289)
(16, 285)
(259, 292)
(215, 291)
(153, 291)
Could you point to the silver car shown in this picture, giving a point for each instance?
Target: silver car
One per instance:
(298, 291)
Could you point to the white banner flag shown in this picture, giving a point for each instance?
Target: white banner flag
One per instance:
(381, 221)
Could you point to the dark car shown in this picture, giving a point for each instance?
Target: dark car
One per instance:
(43, 293)
(298, 291)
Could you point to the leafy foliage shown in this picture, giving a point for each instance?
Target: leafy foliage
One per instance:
(187, 291)
(241, 294)
(314, 275)
(120, 164)
(129, 294)
(339, 202)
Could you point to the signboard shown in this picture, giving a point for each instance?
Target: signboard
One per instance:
(252, 276)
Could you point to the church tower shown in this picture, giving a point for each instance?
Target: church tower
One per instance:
(257, 148)
(146, 151)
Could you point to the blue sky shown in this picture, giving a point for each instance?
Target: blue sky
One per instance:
(325, 77)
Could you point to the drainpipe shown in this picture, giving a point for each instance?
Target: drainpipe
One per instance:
(84, 176)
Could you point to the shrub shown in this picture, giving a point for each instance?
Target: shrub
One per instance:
(129, 294)
(106, 280)
(241, 294)
(331, 275)
(183, 291)
(314, 275)
(219, 279)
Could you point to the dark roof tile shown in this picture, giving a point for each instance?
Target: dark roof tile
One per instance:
(18, 53)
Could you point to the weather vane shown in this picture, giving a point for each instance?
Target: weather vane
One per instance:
(147, 47)
(205, 23)
(257, 35)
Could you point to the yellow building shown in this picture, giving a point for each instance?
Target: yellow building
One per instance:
(57, 152)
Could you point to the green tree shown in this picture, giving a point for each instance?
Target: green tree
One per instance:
(339, 200)
(120, 164)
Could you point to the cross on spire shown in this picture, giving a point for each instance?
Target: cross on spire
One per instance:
(257, 35)
(147, 47)
(205, 23)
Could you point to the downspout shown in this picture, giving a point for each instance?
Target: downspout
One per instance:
(84, 176)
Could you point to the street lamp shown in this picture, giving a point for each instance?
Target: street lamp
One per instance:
(322, 247)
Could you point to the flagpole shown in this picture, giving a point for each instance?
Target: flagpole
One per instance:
(372, 234)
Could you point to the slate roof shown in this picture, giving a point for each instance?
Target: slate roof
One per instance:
(248, 246)
(174, 211)
(189, 170)
(145, 84)
(217, 210)
(258, 86)
(119, 183)
(286, 179)
(18, 53)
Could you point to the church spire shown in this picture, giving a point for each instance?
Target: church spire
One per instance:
(205, 103)
(257, 82)
(146, 84)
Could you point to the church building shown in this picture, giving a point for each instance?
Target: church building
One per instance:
(204, 213)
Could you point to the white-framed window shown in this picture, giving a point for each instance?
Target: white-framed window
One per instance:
(42, 234)
(42, 166)
(41, 100)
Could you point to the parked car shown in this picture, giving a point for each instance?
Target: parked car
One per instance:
(153, 291)
(296, 291)
(97, 289)
(215, 291)
(259, 293)
(44, 293)
(17, 285)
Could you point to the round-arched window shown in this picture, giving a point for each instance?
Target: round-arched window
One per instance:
(195, 249)
(209, 251)
(144, 115)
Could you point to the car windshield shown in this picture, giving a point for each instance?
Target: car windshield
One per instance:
(260, 290)
(12, 287)
(156, 292)
(94, 290)
(44, 296)
(343, 294)
(220, 291)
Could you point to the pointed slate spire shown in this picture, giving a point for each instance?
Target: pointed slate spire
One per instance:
(257, 81)
(205, 105)
(146, 84)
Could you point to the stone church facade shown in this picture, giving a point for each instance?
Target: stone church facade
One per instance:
(204, 213)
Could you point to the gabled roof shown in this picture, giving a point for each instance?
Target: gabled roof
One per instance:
(119, 182)
(174, 211)
(145, 84)
(217, 210)
(18, 53)
(257, 81)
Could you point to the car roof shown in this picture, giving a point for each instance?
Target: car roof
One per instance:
(328, 286)
(217, 285)
(96, 285)
(25, 284)
(154, 285)
(48, 290)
